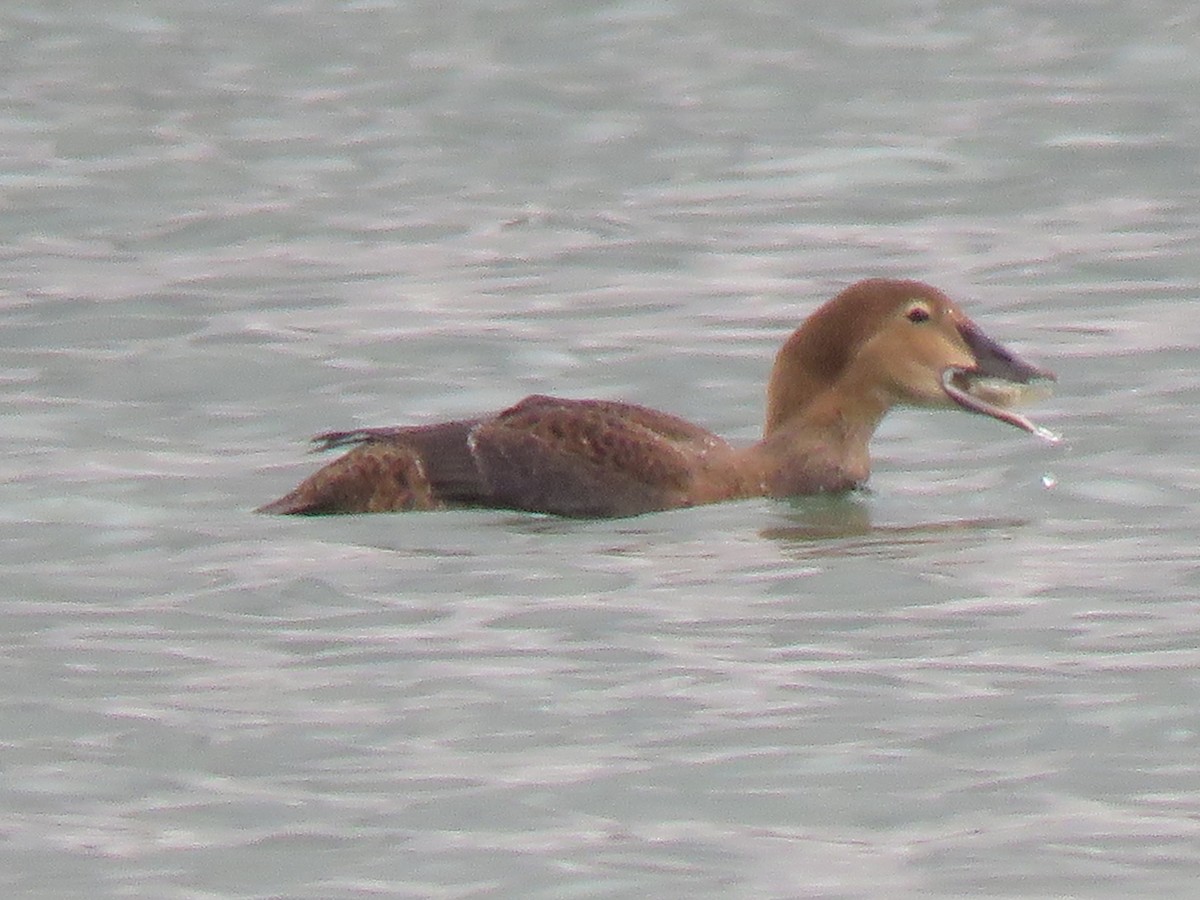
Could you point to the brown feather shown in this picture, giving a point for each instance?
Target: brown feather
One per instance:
(588, 457)
(878, 344)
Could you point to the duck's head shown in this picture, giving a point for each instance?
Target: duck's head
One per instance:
(884, 342)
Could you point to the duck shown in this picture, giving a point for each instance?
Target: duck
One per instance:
(881, 343)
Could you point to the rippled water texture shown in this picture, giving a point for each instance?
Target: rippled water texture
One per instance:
(227, 226)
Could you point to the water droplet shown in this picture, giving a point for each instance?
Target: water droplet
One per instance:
(1049, 481)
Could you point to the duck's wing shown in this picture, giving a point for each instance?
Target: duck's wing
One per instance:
(588, 457)
(566, 457)
(389, 469)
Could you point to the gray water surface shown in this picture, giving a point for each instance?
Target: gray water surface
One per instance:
(227, 226)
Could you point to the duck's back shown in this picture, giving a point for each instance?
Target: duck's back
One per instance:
(545, 454)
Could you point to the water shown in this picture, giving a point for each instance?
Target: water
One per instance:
(226, 227)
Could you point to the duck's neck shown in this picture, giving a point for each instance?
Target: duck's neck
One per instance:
(821, 445)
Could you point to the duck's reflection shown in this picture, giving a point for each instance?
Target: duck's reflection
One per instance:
(843, 526)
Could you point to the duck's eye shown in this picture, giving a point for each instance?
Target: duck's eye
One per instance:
(918, 312)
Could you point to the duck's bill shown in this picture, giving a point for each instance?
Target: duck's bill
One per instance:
(993, 396)
(999, 381)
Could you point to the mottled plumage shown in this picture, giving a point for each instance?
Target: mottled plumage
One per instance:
(878, 344)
